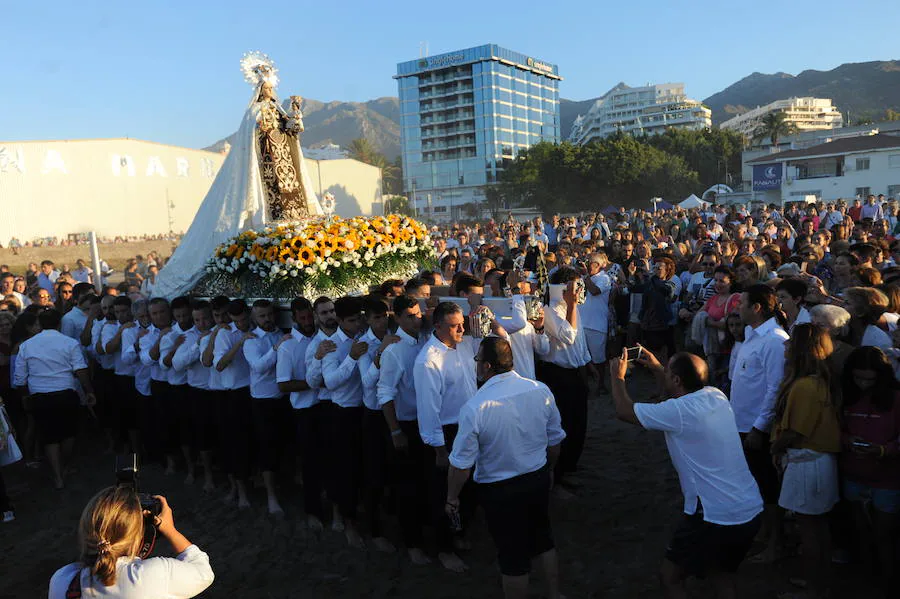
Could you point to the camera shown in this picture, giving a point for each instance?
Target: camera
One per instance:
(127, 470)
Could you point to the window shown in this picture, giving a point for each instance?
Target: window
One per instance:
(893, 191)
(862, 164)
(863, 192)
(894, 161)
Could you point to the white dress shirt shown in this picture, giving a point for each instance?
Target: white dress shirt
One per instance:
(368, 372)
(445, 381)
(145, 344)
(261, 357)
(82, 275)
(506, 428)
(525, 341)
(291, 366)
(120, 365)
(182, 577)
(568, 348)
(594, 312)
(73, 323)
(187, 359)
(47, 362)
(706, 451)
(173, 375)
(314, 376)
(341, 373)
(758, 370)
(875, 337)
(132, 356)
(106, 361)
(237, 374)
(396, 382)
(215, 377)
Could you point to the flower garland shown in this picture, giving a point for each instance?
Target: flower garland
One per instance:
(333, 254)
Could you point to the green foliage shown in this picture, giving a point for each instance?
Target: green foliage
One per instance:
(397, 204)
(774, 126)
(715, 154)
(391, 172)
(619, 170)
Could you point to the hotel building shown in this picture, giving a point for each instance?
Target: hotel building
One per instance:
(462, 114)
(647, 110)
(807, 114)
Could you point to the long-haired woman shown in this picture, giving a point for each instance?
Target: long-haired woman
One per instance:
(870, 461)
(110, 535)
(806, 439)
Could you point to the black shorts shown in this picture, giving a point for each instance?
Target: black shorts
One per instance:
(759, 461)
(518, 517)
(55, 415)
(699, 547)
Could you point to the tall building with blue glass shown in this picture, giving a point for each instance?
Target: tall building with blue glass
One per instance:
(462, 114)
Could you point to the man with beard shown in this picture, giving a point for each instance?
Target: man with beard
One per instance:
(290, 372)
(271, 410)
(201, 401)
(229, 360)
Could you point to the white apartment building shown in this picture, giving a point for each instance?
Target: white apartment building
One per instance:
(807, 114)
(647, 110)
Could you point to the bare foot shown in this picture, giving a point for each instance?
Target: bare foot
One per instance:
(337, 522)
(354, 539)
(231, 495)
(170, 466)
(189, 479)
(418, 557)
(275, 507)
(314, 524)
(383, 545)
(208, 485)
(243, 502)
(452, 562)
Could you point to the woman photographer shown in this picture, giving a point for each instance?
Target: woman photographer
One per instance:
(110, 534)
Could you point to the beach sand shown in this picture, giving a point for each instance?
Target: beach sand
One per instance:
(611, 536)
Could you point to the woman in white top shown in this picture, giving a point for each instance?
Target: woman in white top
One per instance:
(110, 535)
(866, 306)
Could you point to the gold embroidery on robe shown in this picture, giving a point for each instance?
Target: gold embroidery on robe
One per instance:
(280, 166)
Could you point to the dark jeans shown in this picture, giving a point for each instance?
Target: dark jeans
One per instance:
(5, 505)
(571, 393)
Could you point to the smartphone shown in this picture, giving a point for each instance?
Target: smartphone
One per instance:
(633, 353)
(861, 444)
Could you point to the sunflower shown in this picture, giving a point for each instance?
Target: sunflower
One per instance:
(307, 256)
(285, 253)
(297, 243)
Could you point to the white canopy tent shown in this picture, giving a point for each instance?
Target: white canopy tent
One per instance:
(692, 201)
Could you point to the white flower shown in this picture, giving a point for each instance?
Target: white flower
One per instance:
(293, 273)
(310, 270)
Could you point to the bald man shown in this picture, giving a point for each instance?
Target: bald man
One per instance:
(722, 504)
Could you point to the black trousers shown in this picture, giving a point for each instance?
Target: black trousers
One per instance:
(222, 423)
(377, 465)
(165, 417)
(345, 447)
(240, 427)
(105, 391)
(571, 393)
(437, 494)
(124, 406)
(203, 405)
(312, 427)
(180, 419)
(409, 485)
(5, 504)
(273, 424)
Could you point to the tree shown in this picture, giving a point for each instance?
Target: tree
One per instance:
(774, 126)
(391, 173)
(395, 204)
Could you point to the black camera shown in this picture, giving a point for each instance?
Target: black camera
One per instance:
(127, 471)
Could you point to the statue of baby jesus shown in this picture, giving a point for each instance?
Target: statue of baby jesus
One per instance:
(295, 115)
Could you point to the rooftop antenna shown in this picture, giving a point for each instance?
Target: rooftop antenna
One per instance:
(423, 49)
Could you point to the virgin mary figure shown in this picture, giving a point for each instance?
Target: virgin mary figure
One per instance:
(262, 181)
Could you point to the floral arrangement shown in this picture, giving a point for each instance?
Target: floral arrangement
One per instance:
(320, 256)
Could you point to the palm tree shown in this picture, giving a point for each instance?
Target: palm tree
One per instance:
(363, 150)
(774, 126)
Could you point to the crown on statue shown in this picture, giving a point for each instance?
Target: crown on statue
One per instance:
(257, 68)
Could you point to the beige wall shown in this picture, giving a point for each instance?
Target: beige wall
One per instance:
(123, 186)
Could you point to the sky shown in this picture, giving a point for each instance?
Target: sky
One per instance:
(168, 71)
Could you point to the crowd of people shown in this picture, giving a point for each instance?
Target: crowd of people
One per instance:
(772, 333)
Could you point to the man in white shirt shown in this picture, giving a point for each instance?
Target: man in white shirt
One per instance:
(340, 372)
(83, 274)
(510, 433)
(272, 415)
(46, 368)
(124, 403)
(148, 353)
(376, 437)
(594, 312)
(444, 375)
(290, 372)
(200, 408)
(396, 393)
(131, 355)
(176, 417)
(220, 318)
(561, 369)
(74, 320)
(104, 374)
(791, 294)
(758, 372)
(7, 282)
(229, 361)
(722, 504)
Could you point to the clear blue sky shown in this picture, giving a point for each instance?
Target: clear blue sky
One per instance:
(168, 71)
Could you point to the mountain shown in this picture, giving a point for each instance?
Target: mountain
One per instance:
(341, 122)
(866, 89)
(569, 111)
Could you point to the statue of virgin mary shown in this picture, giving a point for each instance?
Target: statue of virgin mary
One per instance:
(262, 181)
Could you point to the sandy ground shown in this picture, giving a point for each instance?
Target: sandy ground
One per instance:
(611, 536)
(114, 253)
